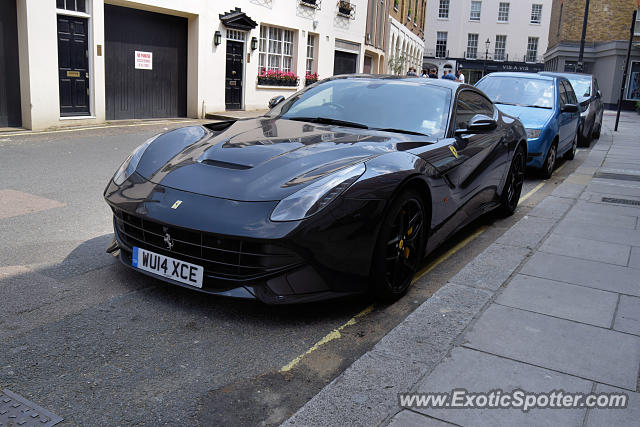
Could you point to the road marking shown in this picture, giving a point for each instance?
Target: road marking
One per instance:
(335, 334)
(94, 127)
(433, 264)
(560, 168)
(531, 193)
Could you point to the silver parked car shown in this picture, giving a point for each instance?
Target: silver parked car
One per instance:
(586, 88)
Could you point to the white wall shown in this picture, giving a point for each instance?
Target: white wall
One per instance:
(518, 29)
(38, 56)
(403, 42)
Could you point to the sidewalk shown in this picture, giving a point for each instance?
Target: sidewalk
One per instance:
(553, 304)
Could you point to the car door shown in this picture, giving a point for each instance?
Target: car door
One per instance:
(564, 119)
(574, 118)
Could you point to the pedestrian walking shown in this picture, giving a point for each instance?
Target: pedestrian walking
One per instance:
(433, 73)
(459, 76)
(412, 72)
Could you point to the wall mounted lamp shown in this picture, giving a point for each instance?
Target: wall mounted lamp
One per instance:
(254, 43)
(217, 38)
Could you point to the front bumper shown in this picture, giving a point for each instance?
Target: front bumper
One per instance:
(244, 254)
(537, 151)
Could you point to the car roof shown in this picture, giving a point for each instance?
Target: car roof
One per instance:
(522, 75)
(451, 84)
(565, 75)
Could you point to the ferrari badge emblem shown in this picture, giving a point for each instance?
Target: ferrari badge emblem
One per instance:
(168, 241)
(177, 204)
(453, 150)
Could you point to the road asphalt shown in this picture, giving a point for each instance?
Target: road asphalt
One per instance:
(553, 304)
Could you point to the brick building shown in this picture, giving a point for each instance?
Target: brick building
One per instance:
(606, 44)
(406, 32)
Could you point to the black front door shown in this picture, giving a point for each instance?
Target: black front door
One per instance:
(345, 63)
(10, 111)
(233, 80)
(73, 65)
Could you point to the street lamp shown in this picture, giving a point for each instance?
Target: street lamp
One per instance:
(486, 56)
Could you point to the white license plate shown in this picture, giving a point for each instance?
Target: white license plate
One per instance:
(170, 268)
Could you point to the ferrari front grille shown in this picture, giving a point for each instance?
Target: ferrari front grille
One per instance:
(222, 257)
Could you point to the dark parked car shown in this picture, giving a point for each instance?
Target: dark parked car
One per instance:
(548, 109)
(341, 189)
(586, 88)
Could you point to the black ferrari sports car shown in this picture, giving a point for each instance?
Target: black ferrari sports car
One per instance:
(342, 188)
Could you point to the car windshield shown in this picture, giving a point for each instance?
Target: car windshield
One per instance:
(518, 91)
(384, 104)
(582, 87)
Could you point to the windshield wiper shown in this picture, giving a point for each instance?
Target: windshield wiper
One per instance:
(507, 103)
(328, 121)
(523, 105)
(408, 132)
(537, 106)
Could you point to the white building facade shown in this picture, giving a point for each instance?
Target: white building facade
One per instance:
(90, 61)
(406, 45)
(482, 36)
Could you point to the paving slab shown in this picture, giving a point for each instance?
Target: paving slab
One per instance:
(406, 418)
(527, 232)
(568, 190)
(628, 416)
(634, 259)
(428, 333)
(599, 207)
(590, 352)
(605, 186)
(600, 232)
(572, 302)
(492, 267)
(586, 218)
(480, 372)
(594, 250)
(552, 207)
(365, 394)
(598, 275)
(628, 315)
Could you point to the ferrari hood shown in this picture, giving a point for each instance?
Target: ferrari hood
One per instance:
(531, 117)
(260, 159)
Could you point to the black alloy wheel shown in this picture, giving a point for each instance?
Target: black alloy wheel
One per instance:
(550, 161)
(513, 186)
(400, 246)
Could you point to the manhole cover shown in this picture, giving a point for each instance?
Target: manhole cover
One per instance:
(17, 411)
(621, 201)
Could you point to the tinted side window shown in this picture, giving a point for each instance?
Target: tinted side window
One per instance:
(468, 105)
(563, 94)
(571, 95)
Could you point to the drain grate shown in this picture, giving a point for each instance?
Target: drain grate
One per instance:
(17, 411)
(621, 201)
(619, 176)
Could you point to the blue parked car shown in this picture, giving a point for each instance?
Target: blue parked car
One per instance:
(547, 107)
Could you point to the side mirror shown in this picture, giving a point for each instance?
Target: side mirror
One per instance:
(570, 108)
(275, 101)
(598, 94)
(478, 123)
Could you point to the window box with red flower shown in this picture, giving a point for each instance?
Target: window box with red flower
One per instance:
(310, 78)
(277, 78)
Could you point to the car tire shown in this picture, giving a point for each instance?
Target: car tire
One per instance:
(513, 186)
(571, 154)
(549, 161)
(400, 246)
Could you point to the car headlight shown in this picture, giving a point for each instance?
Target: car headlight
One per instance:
(533, 133)
(129, 166)
(311, 199)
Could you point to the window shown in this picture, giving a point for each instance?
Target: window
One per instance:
(472, 46)
(276, 49)
(441, 44)
(468, 105)
(503, 12)
(311, 51)
(476, 7)
(564, 100)
(571, 95)
(532, 49)
(637, 25)
(536, 13)
(500, 48)
(443, 10)
(75, 5)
